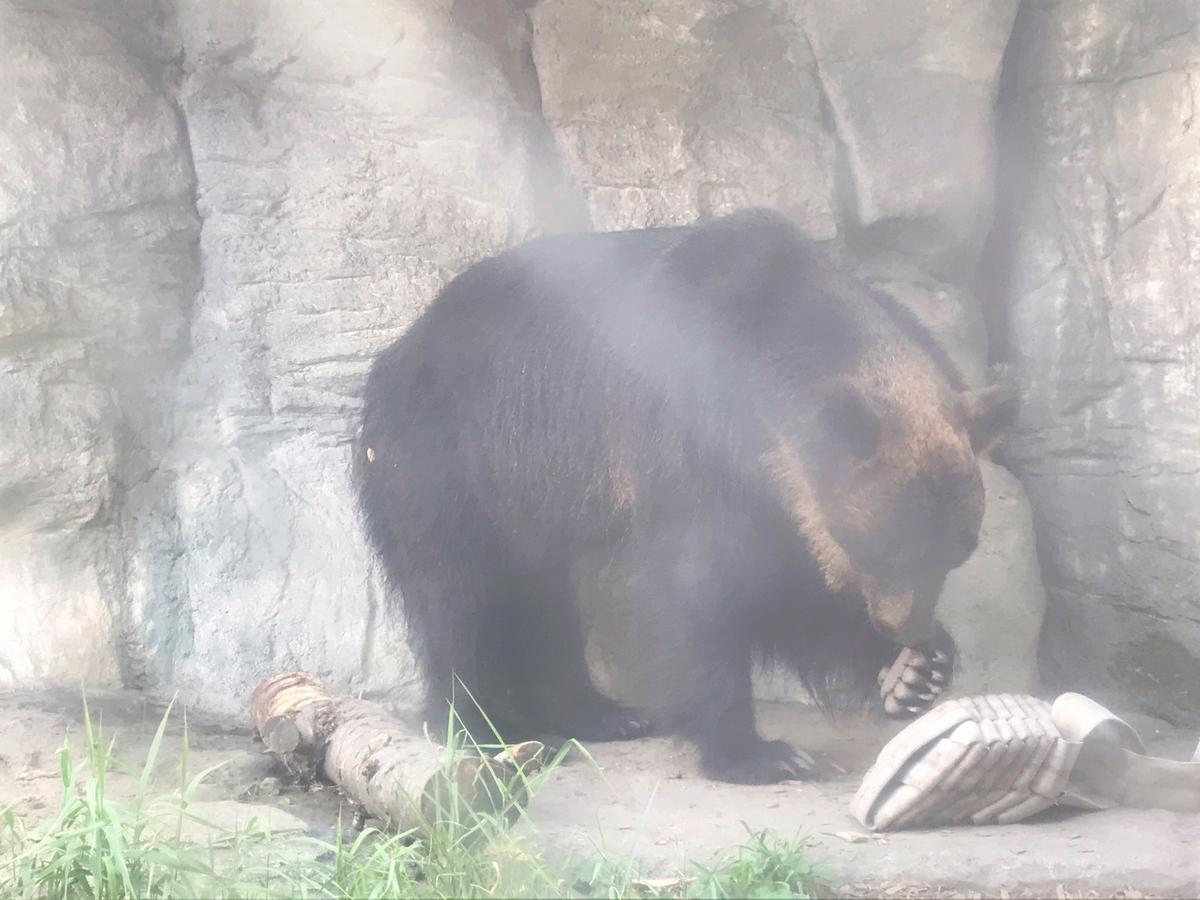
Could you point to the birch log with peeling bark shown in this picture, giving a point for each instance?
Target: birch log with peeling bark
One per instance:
(402, 779)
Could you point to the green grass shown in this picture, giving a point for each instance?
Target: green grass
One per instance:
(156, 845)
(764, 866)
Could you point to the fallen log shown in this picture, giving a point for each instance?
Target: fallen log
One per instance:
(402, 779)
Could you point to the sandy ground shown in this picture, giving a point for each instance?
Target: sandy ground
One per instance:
(645, 799)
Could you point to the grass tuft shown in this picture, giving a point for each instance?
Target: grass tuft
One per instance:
(157, 846)
(764, 866)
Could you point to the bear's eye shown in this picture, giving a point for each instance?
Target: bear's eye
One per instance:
(851, 427)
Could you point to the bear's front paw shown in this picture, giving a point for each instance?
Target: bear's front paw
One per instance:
(913, 683)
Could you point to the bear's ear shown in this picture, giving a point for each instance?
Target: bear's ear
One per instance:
(990, 412)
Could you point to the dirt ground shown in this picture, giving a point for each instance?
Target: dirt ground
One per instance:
(645, 799)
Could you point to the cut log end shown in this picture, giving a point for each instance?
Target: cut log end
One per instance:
(280, 735)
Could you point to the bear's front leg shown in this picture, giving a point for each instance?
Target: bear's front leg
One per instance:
(731, 750)
(695, 587)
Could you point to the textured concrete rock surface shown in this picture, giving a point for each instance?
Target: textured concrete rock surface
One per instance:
(213, 214)
(98, 270)
(664, 110)
(994, 603)
(346, 167)
(910, 86)
(1102, 248)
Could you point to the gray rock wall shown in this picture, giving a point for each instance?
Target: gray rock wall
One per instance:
(213, 214)
(98, 270)
(1101, 246)
(347, 166)
(665, 110)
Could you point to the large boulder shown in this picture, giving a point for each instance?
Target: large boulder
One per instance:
(98, 237)
(910, 85)
(212, 216)
(347, 166)
(665, 110)
(1102, 224)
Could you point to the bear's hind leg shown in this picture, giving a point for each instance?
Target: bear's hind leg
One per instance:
(467, 684)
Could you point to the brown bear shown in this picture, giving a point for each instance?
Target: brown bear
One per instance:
(711, 432)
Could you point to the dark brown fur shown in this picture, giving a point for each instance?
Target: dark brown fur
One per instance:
(709, 434)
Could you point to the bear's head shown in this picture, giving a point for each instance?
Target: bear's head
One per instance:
(872, 440)
(887, 490)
